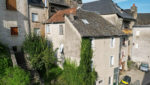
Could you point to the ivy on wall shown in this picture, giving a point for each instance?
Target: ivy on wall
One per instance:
(88, 75)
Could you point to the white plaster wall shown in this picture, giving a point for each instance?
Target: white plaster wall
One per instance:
(113, 19)
(9, 19)
(141, 53)
(72, 42)
(54, 35)
(101, 59)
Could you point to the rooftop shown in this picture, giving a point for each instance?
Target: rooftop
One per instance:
(95, 25)
(59, 16)
(104, 7)
(143, 19)
(58, 2)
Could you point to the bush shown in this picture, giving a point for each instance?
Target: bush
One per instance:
(4, 51)
(41, 53)
(5, 60)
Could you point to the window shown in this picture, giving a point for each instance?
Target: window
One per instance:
(123, 41)
(11, 5)
(60, 29)
(109, 81)
(34, 17)
(14, 30)
(47, 28)
(37, 31)
(111, 60)
(45, 3)
(137, 33)
(136, 45)
(53, 9)
(85, 21)
(112, 42)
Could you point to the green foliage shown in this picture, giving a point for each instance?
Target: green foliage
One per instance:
(70, 74)
(4, 51)
(82, 74)
(88, 75)
(15, 76)
(5, 60)
(41, 53)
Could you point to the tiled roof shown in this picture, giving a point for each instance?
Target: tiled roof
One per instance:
(105, 7)
(91, 24)
(59, 16)
(143, 19)
(58, 2)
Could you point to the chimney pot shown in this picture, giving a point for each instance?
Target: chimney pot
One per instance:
(134, 4)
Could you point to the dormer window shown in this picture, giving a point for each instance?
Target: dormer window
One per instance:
(85, 21)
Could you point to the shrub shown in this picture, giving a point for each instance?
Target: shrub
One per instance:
(5, 60)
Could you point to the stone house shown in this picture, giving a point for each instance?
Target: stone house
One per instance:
(105, 39)
(13, 23)
(56, 5)
(141, 34)
(118, 17)
(38, 14)
(55, 29)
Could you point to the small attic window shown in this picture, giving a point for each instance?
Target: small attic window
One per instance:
(85, 21)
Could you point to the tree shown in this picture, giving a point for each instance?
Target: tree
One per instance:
(15, 76)
(42, 55)
(40, 51)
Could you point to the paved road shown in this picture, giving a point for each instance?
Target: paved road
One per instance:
(138, 76)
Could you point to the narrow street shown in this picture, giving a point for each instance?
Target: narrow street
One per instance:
(137, 77)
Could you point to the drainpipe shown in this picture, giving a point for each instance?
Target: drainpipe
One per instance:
(29, 17)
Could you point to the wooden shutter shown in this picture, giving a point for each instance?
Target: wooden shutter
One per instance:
(14, 30)
(11, 4)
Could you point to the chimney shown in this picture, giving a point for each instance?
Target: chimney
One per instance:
(71, 16)
(134, 11)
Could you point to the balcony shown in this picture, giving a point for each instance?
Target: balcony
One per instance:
(127, 31)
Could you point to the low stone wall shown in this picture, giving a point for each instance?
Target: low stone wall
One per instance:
(13, 58)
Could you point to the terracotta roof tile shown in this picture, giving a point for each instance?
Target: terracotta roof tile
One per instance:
(59, 16)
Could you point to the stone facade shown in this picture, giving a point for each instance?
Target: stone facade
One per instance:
(42, 14)
(102, 52)
(141, 46)
(12, 18)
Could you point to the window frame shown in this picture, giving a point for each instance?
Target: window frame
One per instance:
(109, 80)
(112, 43)
(61, 31)
(14, 33)
(11, 5)
(37, 33)
(35, 19)
(111, 61)
(48, 29)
